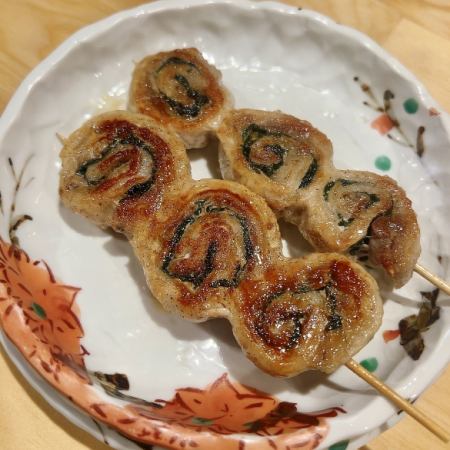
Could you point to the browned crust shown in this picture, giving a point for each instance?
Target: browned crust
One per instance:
(395, 238)
(143, 98)
(315, 346)
(152, 246)
(106, 203)
(394, 244)
(390, 221)
(234, 165)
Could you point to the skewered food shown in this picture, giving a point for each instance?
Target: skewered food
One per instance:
(288, 162)
(314, 312)
(212, 248)
(179, 88)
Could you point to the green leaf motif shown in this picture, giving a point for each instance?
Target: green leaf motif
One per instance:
(411, 105)
(370, 364)
(39, 310)
(202, 421)
(383, 163)
(339, 445)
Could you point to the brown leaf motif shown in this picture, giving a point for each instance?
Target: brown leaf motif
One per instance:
(412, 327)
(386, 121)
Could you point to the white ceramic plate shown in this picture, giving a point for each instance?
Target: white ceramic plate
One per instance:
(272, 57)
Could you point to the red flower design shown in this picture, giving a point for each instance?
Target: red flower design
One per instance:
(225, 408)
(383, 124)
(48, 307)
(390, 335)
(433, 112)
(40, 316)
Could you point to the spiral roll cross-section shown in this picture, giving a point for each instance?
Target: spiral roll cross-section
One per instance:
(309, 313)
(367, 215)
(289, 163)
(212, 236)
(181, 90)
(117, 168)
(275, 155)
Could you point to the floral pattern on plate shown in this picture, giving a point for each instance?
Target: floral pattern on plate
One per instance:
(317, 84)
(41, 317)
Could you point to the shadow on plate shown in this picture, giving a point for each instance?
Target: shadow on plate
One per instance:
(233, 359)
(209, 153)
(78, 223)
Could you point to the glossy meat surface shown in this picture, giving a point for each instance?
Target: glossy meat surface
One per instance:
(118, 166)
(310, 313)
(212, 248)
(275, 155)
(289, 163)
(181, 90)
(212, 235)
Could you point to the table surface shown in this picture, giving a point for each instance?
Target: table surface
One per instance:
(417, 32)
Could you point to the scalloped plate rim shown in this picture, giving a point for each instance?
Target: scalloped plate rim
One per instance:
(92, 31)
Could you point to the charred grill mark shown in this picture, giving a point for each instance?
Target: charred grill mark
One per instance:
(197, 279)
(123, 158)
(284, 340)
(199, 99)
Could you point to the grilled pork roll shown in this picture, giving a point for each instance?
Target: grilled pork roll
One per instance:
(393, 239)
(289, 163)
(367, 215)
(212, 248)
(179, 88)
(216, 253)
(309, 313)
(213, 235)
(276, 155)
(339, 213)
(117, 167)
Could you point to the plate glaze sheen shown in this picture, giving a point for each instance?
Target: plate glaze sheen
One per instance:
(379, 118)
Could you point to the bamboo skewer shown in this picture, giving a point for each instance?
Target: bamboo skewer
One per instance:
(432, 278)
(399, 401)
(389, 393)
